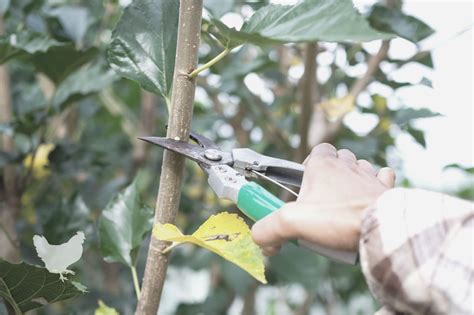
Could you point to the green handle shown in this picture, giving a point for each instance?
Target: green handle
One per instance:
(257, 202)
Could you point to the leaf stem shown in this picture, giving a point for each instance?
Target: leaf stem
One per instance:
(211, 62)
(167, 249)
(135, 281)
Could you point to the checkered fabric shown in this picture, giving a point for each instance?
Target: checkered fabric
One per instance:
(416, 251)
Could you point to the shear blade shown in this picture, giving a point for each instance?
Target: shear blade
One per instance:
(190, 151)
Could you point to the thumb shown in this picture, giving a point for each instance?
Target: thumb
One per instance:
(387, 176)
(280, 226)
(333, 226)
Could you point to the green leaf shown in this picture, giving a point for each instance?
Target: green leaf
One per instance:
(25, 43)
(467, 169)
(309, 20)
(123, 225)
(6, 158)
(55, 59)
(405, 115)
(291, 266)
(143, 44)
(6, 128)
(103, 309)
(218, 7)
(240, 65)
(4, 4)
(82, 83)
(235, 278)
(395, 21)
(59, 62)
(418, 135)
(63, 218)
(426, 82)
(26, 287)
(422, 57)
(74, 19)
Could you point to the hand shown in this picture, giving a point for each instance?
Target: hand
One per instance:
(335, 191)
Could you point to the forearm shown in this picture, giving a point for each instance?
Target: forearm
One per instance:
(416, 252)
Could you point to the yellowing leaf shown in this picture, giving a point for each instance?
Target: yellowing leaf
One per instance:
(227, 235)
(39, 161)
(103, 309)
(336, 108)
(380, 104)
(384, 124)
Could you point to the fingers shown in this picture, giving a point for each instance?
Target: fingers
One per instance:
(306, 160)
(333, 226)
(276, 228)
(321, 150)
(387, 176)
(347, 156)
(366, 166)
(271, 250)
(324, 150)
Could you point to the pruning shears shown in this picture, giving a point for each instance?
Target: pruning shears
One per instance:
(227, 175)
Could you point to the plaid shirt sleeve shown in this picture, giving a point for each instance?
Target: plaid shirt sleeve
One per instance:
(416, 252)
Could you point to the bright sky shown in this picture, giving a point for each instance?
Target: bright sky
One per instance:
(450, 137)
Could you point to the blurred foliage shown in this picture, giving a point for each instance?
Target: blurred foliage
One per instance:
(65, 94)
(40, 288)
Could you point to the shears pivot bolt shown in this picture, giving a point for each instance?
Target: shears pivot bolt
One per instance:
(213, 155)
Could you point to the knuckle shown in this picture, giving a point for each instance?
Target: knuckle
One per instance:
(366, 164)
(323, 146)
(345, 153)
(284, 223)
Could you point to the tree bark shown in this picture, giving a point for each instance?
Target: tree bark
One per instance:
(10, 192)
(309, 95)
(306, 306)
(249, 301)
(146, 128)
(189, 29)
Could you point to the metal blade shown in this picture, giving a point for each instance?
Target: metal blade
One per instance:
(190, 151)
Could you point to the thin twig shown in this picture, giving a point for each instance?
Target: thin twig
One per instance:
(136, 284)
(210, 63)
(372, 66)
(322, 130)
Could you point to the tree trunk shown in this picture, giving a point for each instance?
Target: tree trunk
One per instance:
(10, 192)
(146, 128)
(249, 301)
(309, 95)
(169, 193)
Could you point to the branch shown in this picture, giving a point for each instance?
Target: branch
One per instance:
(212, 62)
(179, 122)
(309, 93)
(322, 130)
(372, 66)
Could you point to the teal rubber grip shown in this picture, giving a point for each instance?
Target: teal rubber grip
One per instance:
(256, 202)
